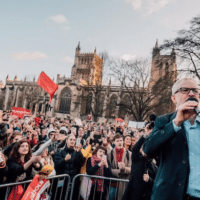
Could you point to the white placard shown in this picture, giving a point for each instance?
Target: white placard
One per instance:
(78, 122)
(136, 124)
(132, 124)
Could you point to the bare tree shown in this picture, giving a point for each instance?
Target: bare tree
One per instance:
(187, 48)
(138, 99)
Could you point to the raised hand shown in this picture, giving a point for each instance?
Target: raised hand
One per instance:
(146, 177)
(67, 157)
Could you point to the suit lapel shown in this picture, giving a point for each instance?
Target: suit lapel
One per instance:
(182, 131)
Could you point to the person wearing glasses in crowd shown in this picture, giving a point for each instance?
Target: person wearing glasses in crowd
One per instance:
(176, 138)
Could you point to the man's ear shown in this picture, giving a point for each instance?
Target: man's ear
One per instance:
(173, 98)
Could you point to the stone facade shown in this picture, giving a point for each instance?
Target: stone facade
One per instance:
(75, 96)
(23, 94)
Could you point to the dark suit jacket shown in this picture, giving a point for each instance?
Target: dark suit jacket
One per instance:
(138, 189)
(172, 177)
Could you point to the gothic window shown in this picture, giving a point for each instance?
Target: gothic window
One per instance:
(33, 109)
(40, 108)
(112, 105)
(1, 102)
(28, 106)
(125, 106)
(46, 108)
(20, 101)
(166, 67)
(100, 105)
(89, 104)
(65, 101)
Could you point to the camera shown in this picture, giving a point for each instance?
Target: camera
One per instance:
(151, 125)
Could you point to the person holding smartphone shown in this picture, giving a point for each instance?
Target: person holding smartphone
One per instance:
(98, 165)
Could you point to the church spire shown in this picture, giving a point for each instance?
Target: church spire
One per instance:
(78, 48)
(156, 50)
(156, 46)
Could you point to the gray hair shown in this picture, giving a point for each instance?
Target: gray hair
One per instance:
(176, 85)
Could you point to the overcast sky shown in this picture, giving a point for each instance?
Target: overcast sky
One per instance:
(42, 35)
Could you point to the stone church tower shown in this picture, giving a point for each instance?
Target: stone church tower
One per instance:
(87, 69)
(163, 71)
(162, 65)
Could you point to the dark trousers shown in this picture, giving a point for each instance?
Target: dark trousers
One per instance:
(95, 195)
(188, 197)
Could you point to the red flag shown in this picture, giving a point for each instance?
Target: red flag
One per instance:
(47, 84)
(37, 121)
(20, 112)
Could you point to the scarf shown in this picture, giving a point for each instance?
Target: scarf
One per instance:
(100, 172)
(119, 154)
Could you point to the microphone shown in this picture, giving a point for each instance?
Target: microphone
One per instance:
(197, 111)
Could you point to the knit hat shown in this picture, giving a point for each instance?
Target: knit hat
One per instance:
(46, 170)
(49, 131)
(63, 129)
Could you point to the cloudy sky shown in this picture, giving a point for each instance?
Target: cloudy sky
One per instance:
(42, 35)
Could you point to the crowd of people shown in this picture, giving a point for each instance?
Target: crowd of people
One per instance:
(161, 160)
(102, 149)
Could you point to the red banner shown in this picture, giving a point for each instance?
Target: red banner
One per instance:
(20, 112)
(36, 188)
(47, 84)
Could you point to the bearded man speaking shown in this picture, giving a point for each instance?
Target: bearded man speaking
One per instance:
(176, 140)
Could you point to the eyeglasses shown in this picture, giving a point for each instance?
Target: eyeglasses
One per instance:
(184, 90)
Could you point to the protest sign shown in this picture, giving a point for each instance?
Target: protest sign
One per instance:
(20, 112)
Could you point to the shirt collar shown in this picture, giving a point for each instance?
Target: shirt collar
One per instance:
(197, 119)
(187, 123)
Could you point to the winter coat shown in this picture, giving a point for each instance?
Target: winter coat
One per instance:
(126, 158)
(3, 173)
(15, 170)
(87, 153)
(92, 170)
(173, 172)
(137, 188)
(71, 167)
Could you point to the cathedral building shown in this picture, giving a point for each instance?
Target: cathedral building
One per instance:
(82, 93)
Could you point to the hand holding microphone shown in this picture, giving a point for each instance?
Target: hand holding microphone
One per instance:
(197, 111)
(186, 110)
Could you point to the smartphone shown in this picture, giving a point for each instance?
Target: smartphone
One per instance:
(1, 157)
(104, 157)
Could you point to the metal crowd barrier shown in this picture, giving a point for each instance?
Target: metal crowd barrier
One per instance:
(81, 188)
(58, 190)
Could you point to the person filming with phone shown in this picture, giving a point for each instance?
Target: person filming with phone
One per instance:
(98, 165)
(176, 139)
